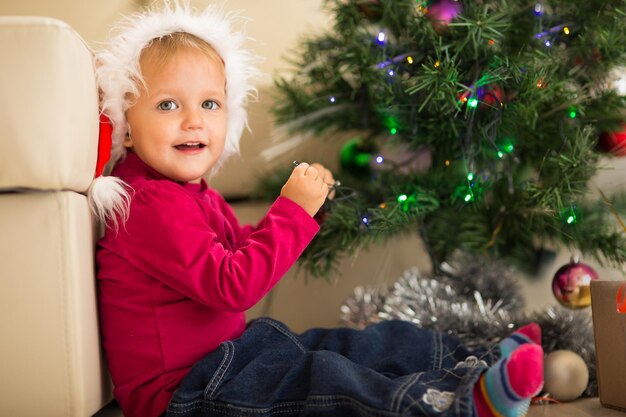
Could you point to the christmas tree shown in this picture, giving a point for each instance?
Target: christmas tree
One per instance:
(473, 123)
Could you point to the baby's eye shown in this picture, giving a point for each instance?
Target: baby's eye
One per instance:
(167, 105)
(210, 105)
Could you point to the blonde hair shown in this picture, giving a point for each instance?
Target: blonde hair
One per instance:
(159, 51)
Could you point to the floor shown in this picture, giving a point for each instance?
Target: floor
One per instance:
(587, 407)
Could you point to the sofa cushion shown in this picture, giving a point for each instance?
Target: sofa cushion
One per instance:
(48, 106)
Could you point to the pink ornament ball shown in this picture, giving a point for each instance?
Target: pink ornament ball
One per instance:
(571, 285)
(442, 12)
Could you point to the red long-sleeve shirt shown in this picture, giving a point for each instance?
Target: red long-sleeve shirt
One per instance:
(176, 279)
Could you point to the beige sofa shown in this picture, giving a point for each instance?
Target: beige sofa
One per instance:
(50, 357)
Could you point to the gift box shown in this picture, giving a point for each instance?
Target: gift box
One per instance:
(609, 328)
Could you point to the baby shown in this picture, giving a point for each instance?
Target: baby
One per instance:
(176, 270)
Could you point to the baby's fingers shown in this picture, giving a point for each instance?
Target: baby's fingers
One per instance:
(300, 169)
(324, 173)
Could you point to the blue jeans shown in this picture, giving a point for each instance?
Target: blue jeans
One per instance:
(389, 369)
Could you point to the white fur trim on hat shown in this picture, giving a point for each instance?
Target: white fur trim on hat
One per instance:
(109, 199)
(118, 67)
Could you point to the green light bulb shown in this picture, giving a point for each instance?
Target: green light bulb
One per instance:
(572, 112)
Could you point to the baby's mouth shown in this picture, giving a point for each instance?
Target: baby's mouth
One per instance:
(189, 146)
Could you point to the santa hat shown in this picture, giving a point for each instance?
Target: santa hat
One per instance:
(118, 72)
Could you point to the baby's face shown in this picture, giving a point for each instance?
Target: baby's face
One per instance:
(178, 122)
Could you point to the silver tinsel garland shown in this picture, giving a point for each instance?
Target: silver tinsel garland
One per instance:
(478, 302)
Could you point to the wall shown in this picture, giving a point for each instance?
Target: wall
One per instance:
(90, 18)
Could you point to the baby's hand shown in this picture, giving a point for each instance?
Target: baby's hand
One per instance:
(327, 177)
(306, 187)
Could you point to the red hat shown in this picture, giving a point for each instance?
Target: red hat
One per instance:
(109, 197)
(104, 144)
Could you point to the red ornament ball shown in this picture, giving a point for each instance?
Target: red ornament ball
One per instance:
(571, 284)
(491, 95)
(613, 142)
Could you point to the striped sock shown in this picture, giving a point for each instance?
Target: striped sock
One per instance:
(531, 333)
(506, 388)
